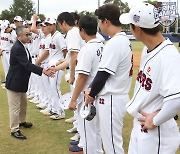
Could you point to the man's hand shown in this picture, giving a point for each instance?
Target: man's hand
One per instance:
(50, 72)
(71, 81)
(72, 105)
(147, 120)
(88, 99)
(35, 17)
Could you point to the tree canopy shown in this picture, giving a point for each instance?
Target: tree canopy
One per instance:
(23, 8)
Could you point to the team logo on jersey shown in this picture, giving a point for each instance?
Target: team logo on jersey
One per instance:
(52, 46)
(145, 81)
(101, 100)
(42, 46)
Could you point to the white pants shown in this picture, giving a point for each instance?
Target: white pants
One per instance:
(111, 113)
(55, 92)
(90, 139)
(5, 61)
(164, 139)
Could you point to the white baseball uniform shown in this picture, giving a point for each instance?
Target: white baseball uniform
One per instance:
(7, 41)
(33, 47)
(88, 61)
(74, 43)
(156, 83)
(112, 99)
(44, 84)
(57, 45)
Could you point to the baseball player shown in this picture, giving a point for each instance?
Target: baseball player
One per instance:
(42, 60)
(8, 37)
(18, 21)
(87, 65)
(113, 80)
(57, 53)
(34, 50)
(157, 92)
(74, 43)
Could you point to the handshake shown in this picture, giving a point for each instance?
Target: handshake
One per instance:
(50, 71)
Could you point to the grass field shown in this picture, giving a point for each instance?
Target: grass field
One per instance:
(47, 136)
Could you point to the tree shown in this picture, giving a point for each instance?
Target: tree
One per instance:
(6, 14)
(123, 7)
(42, 17)
(82, 13)
(23, 8)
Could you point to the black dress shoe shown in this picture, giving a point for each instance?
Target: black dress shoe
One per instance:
(18, 135)
(26, 124)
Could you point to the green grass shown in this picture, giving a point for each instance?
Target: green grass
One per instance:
(46, 136)
(138, 46)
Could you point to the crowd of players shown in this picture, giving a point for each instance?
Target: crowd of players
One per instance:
(78, 49)
(48, 48)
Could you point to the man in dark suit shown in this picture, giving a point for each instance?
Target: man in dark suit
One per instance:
(17, 81)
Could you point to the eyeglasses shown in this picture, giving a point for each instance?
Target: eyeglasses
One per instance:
(28, 34)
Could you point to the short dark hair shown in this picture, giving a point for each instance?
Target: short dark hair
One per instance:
(89, 24)
(150, 31)
(19, 29)
(110, 12)
(67, 17)
(75, 16)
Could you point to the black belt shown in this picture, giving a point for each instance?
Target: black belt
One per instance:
(6, 51)
(34, 56)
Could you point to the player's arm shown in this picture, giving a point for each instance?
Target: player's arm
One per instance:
(34, 28)
(80, 83)
(63, 65)
(97, 85)
(43, 57)
(167, 112)
(64, 52)
(73, 61)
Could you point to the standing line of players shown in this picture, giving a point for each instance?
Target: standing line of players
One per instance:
(101, 75)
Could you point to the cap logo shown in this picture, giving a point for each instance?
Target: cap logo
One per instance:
(136, 18)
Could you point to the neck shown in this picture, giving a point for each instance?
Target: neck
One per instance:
(69, 28)
(89, 37)
(113, 30)
(53, 31)
(152, 41)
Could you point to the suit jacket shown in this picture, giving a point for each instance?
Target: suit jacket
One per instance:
(20, 69)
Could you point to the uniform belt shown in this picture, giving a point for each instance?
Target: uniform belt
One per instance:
(6, 51)
(35, 56)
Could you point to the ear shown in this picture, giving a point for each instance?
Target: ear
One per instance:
(138, 29)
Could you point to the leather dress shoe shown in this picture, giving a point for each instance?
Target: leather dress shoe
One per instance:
(26, 124)
(18, 135)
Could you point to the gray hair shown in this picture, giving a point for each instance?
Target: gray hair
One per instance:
(20, 29)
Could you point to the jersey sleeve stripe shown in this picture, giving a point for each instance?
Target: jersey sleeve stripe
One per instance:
(107, 70)
(172, 96)
(76, 50)
(83, 72)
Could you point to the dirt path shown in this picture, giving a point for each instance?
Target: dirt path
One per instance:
(136, 58)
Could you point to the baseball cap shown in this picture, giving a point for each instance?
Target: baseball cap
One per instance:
(88, 112)
(144, 15)
(13, 26)
(50, 21)
(4, 26)
(17, 18)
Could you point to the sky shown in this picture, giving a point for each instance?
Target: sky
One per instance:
(51, 8)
